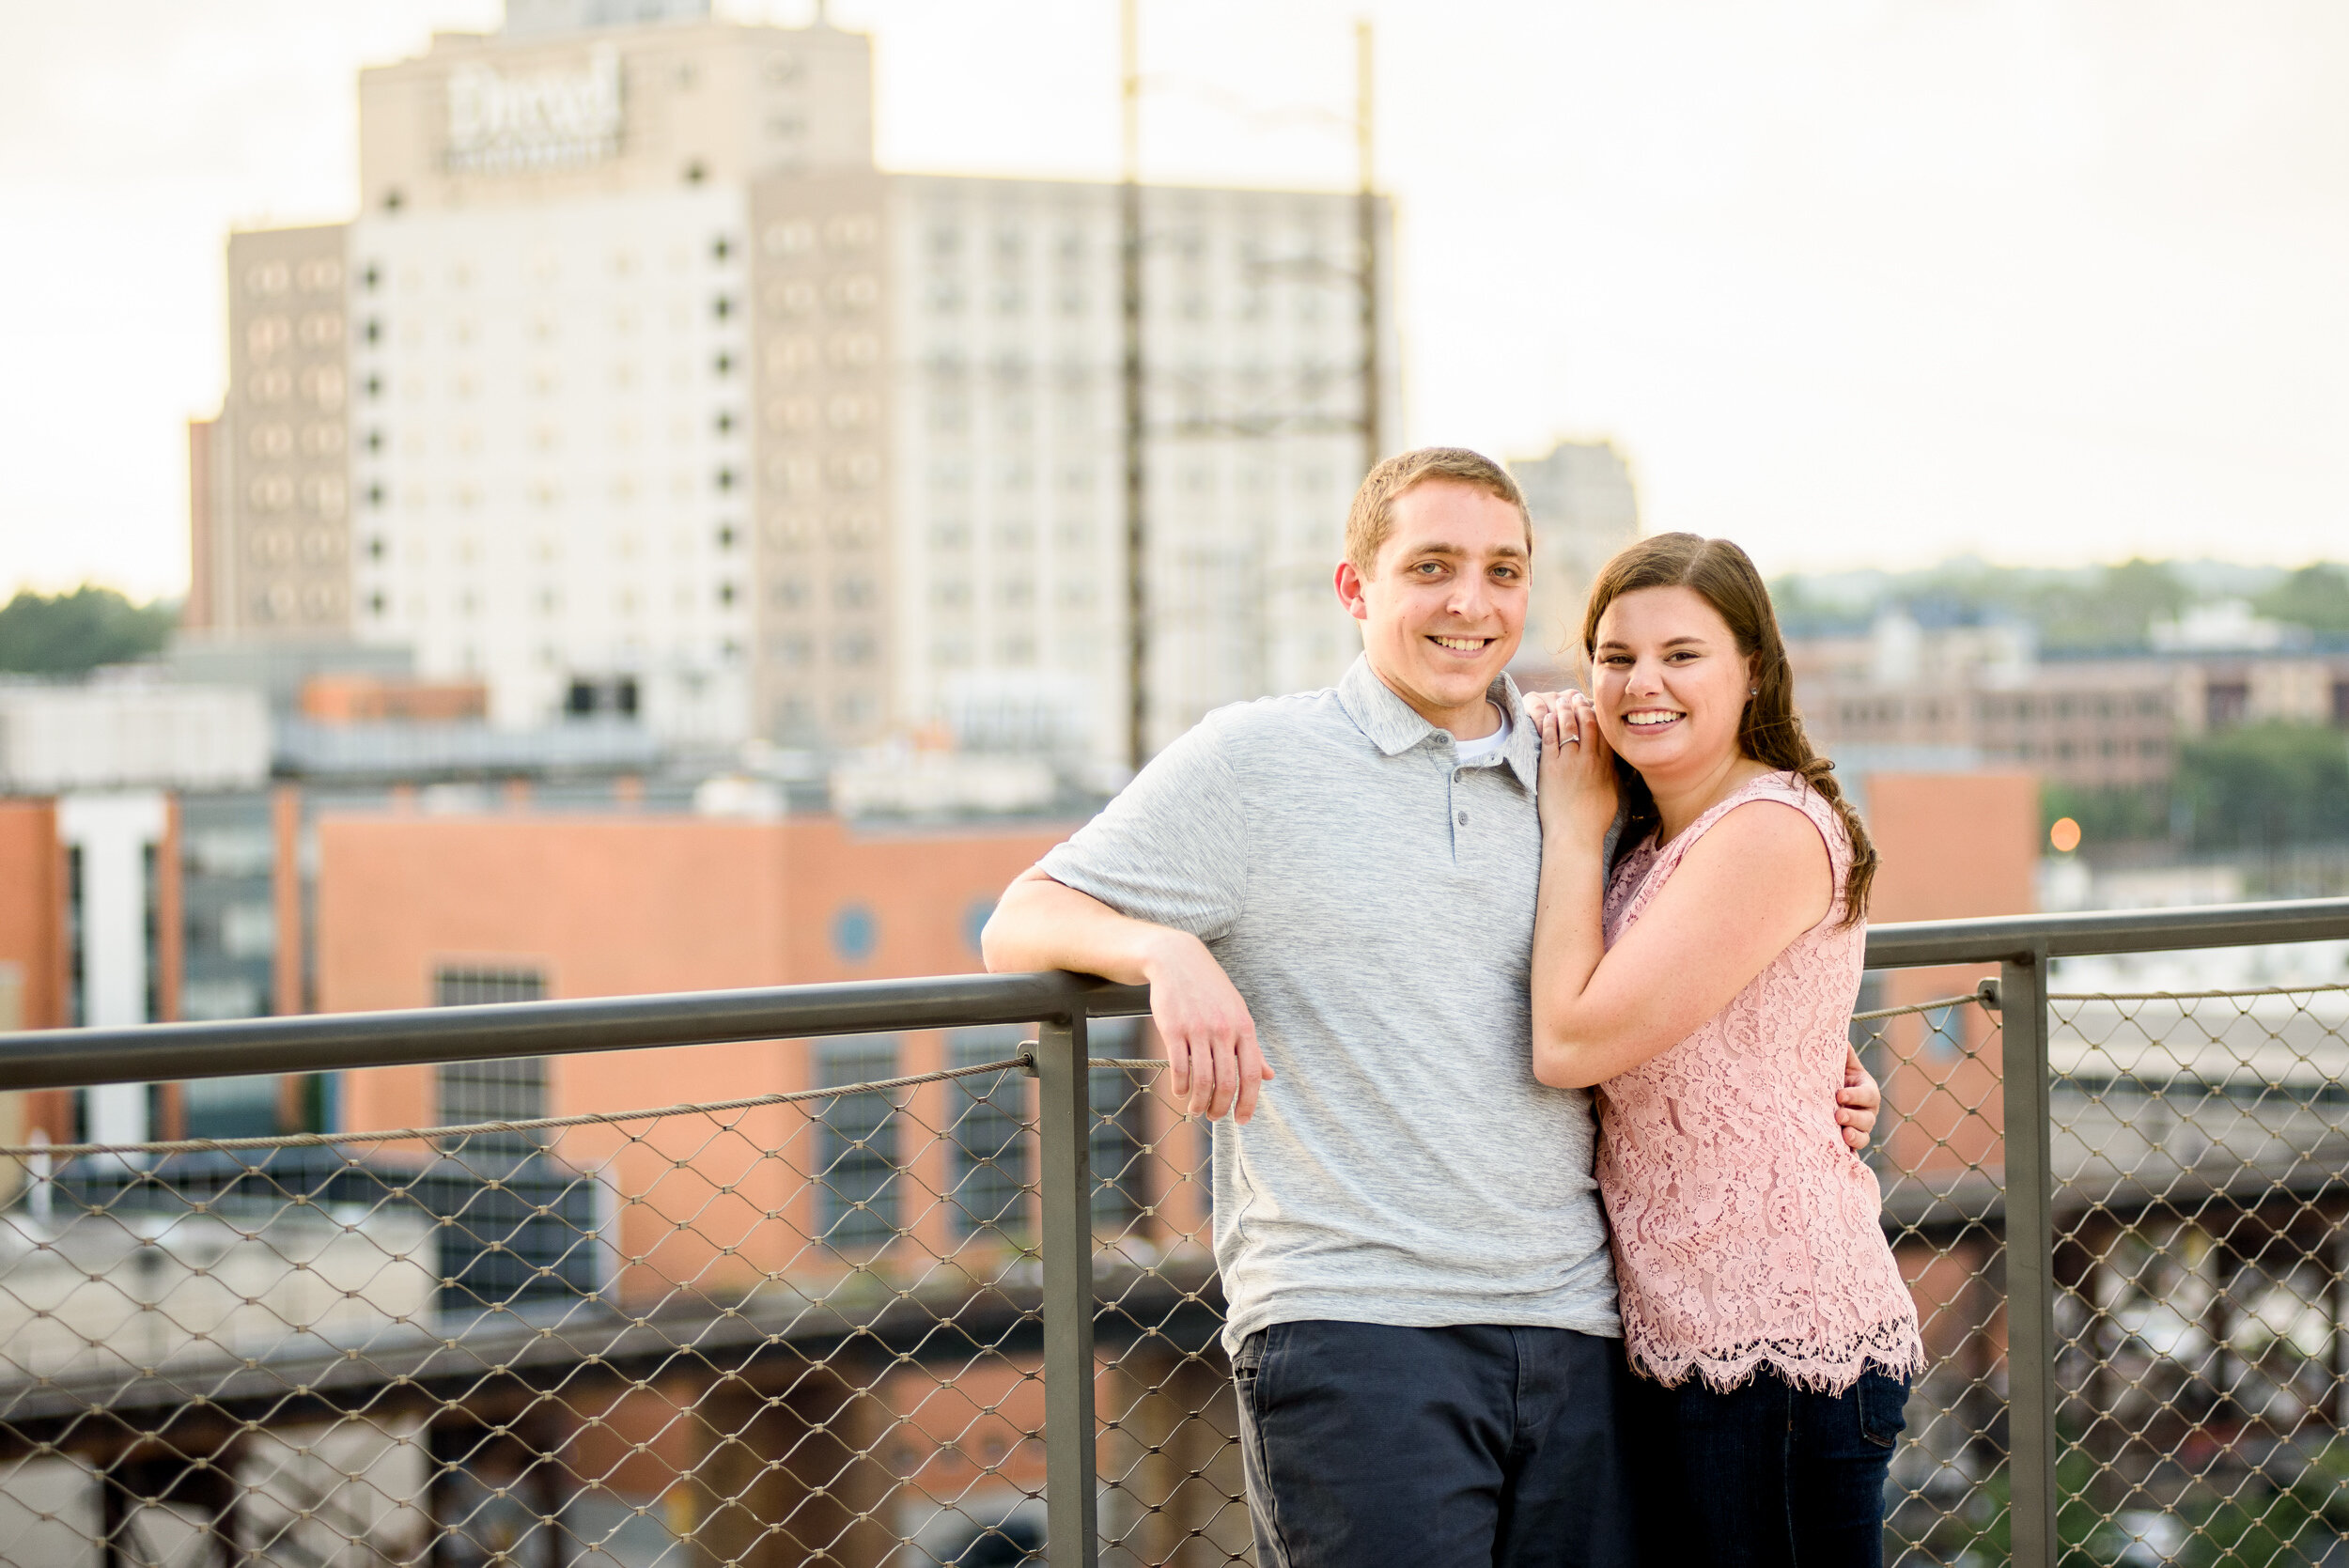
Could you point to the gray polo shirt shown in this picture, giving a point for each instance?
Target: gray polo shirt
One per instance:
(1374, 902)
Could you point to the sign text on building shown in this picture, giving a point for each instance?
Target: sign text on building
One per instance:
(555, 120)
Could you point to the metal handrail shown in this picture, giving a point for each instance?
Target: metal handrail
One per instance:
(1914, 943)
(322, 1042)
(326, 1042)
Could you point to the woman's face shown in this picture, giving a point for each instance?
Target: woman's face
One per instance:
(1668, 683)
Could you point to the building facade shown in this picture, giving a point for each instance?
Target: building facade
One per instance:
(269, 478)
(650, 396)
(2099, 723)
(1584, 508)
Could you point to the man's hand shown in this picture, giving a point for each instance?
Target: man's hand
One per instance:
(1213, 1064)
(1858, 1102)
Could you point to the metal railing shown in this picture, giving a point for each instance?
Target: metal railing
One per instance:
(965, 1314)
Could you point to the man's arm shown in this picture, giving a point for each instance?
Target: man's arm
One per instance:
(1212, 1060)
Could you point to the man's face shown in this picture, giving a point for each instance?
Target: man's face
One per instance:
(1444, 607)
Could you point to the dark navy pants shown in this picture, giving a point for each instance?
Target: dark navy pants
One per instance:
(1764, 1476)
(1475, 1446)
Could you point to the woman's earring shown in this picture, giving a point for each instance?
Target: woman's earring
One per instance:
(1753, 690)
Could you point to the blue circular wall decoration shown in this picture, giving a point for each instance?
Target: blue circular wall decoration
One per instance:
(854, 933)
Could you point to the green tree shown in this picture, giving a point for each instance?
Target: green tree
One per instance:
(2106, 816)
(2266, 785)
(65, 634)
(2316, 596)
(2117, 611)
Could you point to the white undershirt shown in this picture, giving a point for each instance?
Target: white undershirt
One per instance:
(1473, 753)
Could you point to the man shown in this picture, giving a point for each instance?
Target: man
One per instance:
(1331, 898)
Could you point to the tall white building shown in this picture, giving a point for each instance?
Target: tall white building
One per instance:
(650, 394)
(942, 434)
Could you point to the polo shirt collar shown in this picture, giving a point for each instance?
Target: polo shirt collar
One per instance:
(1394, 726)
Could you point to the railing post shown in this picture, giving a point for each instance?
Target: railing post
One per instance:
(2030, 1399)
(1065, 1173)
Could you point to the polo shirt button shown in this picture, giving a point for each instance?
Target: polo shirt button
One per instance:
(1464, 820)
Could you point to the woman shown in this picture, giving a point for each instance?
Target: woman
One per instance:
(1702, 986)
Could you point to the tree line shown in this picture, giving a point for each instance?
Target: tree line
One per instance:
(72, 633)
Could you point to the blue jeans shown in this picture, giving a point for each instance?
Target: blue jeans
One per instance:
(1766, 1475)
(1475, 1446)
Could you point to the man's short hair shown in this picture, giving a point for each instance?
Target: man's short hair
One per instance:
(1370, 519)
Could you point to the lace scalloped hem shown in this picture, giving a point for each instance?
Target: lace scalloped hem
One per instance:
(1891, 1347)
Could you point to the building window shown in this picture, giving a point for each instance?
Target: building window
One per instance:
(512, 1090)
(991, 1170)
(1121, 1128)
(856, 1170)
(2227, 703)
(854, 933)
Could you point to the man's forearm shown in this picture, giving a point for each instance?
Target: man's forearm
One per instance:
(1214, 1065)
(1043, 924)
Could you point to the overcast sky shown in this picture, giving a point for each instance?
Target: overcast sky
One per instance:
(1855, 282)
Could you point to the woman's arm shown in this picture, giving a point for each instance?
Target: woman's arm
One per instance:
(1757, 880)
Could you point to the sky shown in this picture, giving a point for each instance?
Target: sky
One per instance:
(1854, 282)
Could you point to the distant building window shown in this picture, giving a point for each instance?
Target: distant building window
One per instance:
(1120, 1143)
(510, 1090)
(2227, 703)
(856, 1170)
(990, 1121)
(975, 918)
(854, 933)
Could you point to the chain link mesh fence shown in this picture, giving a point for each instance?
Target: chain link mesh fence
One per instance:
(806, 1328)
(2199, 1143)
(792, 1328)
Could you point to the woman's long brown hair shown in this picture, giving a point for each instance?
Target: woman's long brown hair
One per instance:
(1771, 731)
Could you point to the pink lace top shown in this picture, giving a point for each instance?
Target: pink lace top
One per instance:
(1746, 1232)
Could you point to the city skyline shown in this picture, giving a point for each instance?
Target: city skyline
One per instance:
(1849, 286)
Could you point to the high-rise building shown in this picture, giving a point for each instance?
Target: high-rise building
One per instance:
(271, 476)
(1581, 497)
(940, 440)
(657, 397)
